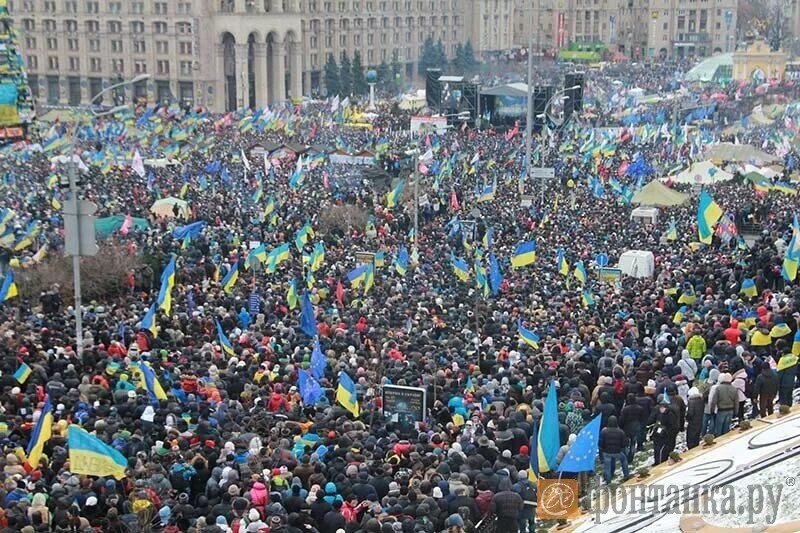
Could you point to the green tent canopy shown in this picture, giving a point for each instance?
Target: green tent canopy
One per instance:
(107, 226)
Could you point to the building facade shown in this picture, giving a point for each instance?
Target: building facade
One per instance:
(638, 29)
(231, 53)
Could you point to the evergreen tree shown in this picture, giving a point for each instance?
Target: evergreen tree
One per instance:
(469, 57)
(345, 76)
(332, 76)
(440, 55)
(360, 86)
(385, 77)
(398, 72)
(458, 61)
(428, 57)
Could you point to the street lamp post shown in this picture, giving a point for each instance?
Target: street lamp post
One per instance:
(77, 251)
(529, 111)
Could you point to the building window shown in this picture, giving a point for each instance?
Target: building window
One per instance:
(93, 7)
(94, 45)
(72, 45)
(184, 8)
(95, 64)
(183, 28)
(186, 92)
(162, 47)
(114, 27)
(74, 64)
(343, 40)
(137, 8)
(52, 43)
(115, 7)
(52, 62)
(162, 66)
(117, 66)
(160, 27)
(33, 63)
(92, 26)
(53, 90)
(27, 6)
(30, 42)
(139, 47)
(313, 42)
(116, 46)
(185, 48)
(71, 26)
(71, 6)
(28, 24)
(160, 8)
(185, 68)
(137, 27)
(49, 6)
(49, 25)
(139, 66)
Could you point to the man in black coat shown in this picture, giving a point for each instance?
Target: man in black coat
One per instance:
(333, 519)
(613, 443)
(665, 430)
(630, 420)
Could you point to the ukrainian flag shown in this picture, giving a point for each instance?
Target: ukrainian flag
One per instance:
(708, 212)
(488, 238)
(679, 315)
(270, 207)
(358, 275)
(545, 446)
(672, 231)
(230, 279)
(291, 295)
(796, 344)
(749, 288)
(9, 288)
(277, 256)
(310, 281)
(40, 435)
(779, 330)
(525, 254)
(90, 456)
(401, 261)
(393, 196)
(587, 298)
(688, 296)
(22, 374)
(580, 272)
(530, 338)
(227, 347)
(259, 253)
(481, 281)
(487, 194)
(154, 389)
(302, 235)
(6, 215)
(785, 188)
(369, 278)
(380, 259)
(149, 321)
(167, 283)
(317, 256)
(460, 267)
(346, 394)
(561, 263)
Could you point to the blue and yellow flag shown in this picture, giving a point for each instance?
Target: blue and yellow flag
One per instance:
(357, 276)
(401, 261)
(302, 235)
(40, 435)
(495, 275)
(230, 279)
(393, 196)
(749, 287)
(524, 254)
(291, 295)
(164, 300)
(460, 267)
(269, 208)
(708, 213)
(530, 338)
(488, 238)
(672, 231)
(149, 321)
(317, 256)
(224, 342)
(791, 256)
(546, 443)
(90, 456)
(796, 343)
(23, 373)
(586, 298)
(149, 381)
(561, 262)
(680, 314)
(580, 272)
(369, 277)
(9, 288)
(277, 256)
(259, 253)
(346, 394)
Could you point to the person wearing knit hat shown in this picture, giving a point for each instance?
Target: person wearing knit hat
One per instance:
(723, 401)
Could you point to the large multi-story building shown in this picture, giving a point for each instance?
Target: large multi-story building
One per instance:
(636, 28)
(231, 53)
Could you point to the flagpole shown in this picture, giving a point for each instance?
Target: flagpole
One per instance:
(529, 116)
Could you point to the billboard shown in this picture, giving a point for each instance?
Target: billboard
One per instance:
(404, 406)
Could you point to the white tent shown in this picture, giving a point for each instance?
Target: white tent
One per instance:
(702, 173)
(637, 263)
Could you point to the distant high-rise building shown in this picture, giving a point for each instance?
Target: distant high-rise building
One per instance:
(231, 53)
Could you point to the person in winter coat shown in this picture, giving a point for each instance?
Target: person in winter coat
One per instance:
(724, 402)
(630, 420)
(507, 506)
(665, 430)
(710, 388)
(765, 389)
(612, 445)
(694, 417)
(787, 372)
(526, 491)
(740, 384)
(688, 366)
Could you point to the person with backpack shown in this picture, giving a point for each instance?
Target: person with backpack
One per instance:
(526, 491)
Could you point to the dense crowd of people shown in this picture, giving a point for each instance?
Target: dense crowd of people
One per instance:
(234, 446)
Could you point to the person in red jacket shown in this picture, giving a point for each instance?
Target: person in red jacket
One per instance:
(733, 334)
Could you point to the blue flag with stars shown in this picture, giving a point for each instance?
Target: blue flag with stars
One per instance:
(582, 454)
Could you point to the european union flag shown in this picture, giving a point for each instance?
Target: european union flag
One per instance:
(582, 454)
(318, 362)
(192, 230)
(213, 167)
(310, 389)
(495, 275)
(307, 321)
